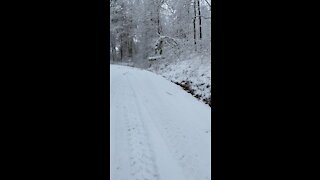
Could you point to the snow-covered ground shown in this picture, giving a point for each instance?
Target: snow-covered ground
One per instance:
(158, 131)
(193, 73)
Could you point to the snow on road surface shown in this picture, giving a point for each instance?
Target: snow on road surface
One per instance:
(157, 130)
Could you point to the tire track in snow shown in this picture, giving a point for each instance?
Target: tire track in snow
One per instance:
(177, 140)
(156, 132)
(142, 159)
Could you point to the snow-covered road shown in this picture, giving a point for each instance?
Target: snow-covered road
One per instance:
(158, 131)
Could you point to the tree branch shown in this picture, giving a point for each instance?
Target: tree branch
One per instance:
(208, 3)
(202, 17)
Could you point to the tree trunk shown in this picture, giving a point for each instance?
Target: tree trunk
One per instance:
(130, 43)
(194, 25)
(199, 10)
(158, 22)
(121, 51)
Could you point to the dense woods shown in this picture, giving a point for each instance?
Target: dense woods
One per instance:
(170, 29)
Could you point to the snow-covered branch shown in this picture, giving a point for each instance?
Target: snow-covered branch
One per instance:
(204, 17)
(208, 3)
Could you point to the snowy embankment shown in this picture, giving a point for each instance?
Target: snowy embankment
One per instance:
(192, 74)
(157, 130)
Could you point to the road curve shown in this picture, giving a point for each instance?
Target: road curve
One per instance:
(157, 130)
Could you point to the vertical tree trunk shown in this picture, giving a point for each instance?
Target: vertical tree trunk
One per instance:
(159, 26)
(121, 51)
(112, 52)
(200, 29)
(128, 47)
(131, 47)
(194, 25)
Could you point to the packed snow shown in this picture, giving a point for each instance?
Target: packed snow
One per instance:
(158, 131)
